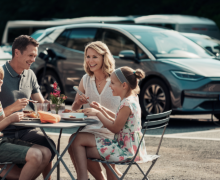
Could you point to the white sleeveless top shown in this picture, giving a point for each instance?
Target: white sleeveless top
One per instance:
(106, 99)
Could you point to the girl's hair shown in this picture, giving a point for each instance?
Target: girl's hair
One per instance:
(108, 61)
(133, 77)
(1, 73)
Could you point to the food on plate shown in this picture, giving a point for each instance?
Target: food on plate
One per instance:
(30, 114)
(72, 116)
(27, 112)
(70, 111)
(79, 111)
(66, 111)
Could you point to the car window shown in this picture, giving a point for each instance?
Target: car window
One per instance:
(117, 42)
(164, 44)
(213, 45)
(62, 39)
(80, 37)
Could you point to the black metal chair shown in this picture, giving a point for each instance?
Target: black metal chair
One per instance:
(154, 121)
(4, 167)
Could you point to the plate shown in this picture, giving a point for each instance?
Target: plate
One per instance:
(29, 119)
(76, 115)
(74, 119)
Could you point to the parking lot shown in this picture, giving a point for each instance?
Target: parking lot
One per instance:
(190, 151)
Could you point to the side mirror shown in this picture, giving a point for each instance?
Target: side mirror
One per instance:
(50, 54)
(128, 54)
(43, 55)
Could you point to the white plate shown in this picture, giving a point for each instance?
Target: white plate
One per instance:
(28, 118)
(73, 119)
(77, 115)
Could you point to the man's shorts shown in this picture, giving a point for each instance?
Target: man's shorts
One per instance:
(34, 137)
(13, 150)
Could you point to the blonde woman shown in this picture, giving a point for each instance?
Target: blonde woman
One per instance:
(98, 64)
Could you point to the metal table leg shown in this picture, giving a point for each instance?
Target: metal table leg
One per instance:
(58, 150)
(60, 156)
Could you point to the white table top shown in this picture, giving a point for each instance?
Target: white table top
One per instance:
(62, 124)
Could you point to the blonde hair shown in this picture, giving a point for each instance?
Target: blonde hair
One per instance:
(133, 77)
(108, 61)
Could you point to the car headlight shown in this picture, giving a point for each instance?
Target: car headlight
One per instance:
(186, 75)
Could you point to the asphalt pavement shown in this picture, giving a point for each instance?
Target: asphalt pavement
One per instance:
(190, 150)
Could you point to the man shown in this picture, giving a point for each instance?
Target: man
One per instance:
(30, 157)
(20, 84)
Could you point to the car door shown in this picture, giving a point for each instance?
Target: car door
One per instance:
(73, 69)
(117, 42)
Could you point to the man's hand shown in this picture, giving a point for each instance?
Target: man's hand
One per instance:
(19, 104)
(16, 117)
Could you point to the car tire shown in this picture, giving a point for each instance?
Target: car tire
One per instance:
(47, 83)
(154, 97)
(217, 116)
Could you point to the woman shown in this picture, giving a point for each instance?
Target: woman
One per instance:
(98, 64)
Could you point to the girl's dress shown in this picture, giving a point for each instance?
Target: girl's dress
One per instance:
(125, 143)
(106, 99)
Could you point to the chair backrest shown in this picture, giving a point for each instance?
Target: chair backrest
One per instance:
(155, 121)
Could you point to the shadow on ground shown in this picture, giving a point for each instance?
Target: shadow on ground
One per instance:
(176, 125)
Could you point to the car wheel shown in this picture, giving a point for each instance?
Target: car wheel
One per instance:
(47, 83)
(217, 116)
(154, 97)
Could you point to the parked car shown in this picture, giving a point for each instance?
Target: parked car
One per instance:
(180, 75)
(181, 23)
(16, 28)
(4, 56)
(210, 43)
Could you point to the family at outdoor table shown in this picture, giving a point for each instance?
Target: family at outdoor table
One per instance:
(112, 94)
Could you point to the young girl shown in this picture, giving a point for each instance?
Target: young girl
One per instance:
(127, 126)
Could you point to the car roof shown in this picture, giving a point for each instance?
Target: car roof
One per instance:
(174, 19)
(59, 22)
(129, 28)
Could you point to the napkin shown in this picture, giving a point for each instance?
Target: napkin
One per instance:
(46, 117)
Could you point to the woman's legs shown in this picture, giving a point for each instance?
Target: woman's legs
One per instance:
(93, 167)
(79, 145)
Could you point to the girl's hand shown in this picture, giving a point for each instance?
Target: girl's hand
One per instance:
(90, 112)
(96, 105)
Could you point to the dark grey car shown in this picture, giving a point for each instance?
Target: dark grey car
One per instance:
(180, 75)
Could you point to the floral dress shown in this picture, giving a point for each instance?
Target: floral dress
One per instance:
(125, 143)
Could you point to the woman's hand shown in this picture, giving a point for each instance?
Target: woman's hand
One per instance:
(90, 112)
(96, 105)
(16, 117)
(82, 99)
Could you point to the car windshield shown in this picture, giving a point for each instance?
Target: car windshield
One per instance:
(170, 44)
(36, 34)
